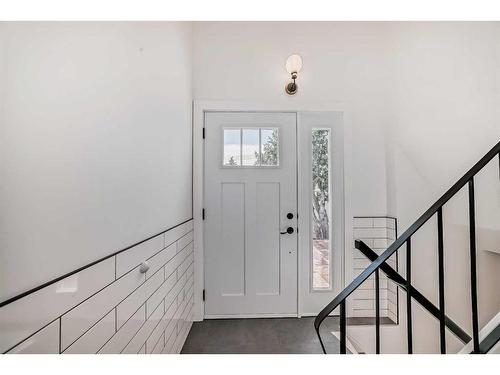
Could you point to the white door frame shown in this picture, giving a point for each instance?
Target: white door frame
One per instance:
(202, 106)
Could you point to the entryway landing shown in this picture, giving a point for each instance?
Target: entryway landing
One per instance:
(264, 336)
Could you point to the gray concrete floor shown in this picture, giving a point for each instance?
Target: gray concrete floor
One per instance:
(260, 336)
(266, 336)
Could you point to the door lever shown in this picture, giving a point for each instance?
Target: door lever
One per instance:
(289, 230)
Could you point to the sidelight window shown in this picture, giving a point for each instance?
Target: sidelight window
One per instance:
(321, 210)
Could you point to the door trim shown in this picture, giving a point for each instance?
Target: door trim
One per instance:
(199, 109)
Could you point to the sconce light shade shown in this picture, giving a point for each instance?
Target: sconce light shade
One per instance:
(293, 64)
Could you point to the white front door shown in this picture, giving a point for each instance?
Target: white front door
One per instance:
(250, 201)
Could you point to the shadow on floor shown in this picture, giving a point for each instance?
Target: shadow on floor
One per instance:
(260, 336)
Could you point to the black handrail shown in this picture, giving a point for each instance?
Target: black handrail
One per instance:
(393, 275)
(467, 178)
(88, 265)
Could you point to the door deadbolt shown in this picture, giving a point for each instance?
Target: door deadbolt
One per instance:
(289, 216)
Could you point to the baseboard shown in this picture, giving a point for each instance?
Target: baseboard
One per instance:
(250, 316)
(308, 315)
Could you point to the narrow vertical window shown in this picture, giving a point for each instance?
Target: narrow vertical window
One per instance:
(250, 147)
(232, 147)
(269, 147)
(321, 210)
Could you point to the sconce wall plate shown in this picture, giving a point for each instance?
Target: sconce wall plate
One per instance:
(291, 88)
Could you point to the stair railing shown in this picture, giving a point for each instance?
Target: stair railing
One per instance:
(380, 264)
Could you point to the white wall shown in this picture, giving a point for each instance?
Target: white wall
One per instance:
(2, 86)
(96, 133)
(445, 100)
(111, 307)
(342, 62)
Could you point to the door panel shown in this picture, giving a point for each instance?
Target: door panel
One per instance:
(232, 250)
(267, 247)
(250, 186)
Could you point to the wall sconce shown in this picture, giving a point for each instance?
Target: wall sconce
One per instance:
(293, 66)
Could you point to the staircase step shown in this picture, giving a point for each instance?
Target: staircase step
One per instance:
(492, 325)
(352, 346)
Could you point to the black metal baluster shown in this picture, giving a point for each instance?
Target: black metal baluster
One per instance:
(377, 312)
(342, 328)
(473, 277)
(441, 281)
(408, 295)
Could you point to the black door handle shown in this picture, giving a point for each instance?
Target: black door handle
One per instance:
(289, 230)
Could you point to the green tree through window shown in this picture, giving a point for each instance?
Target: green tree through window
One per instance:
(231, 161)
(269, 154)
(320, 179)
